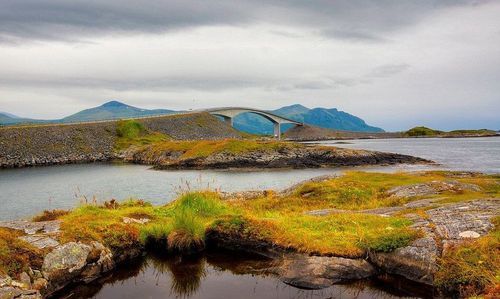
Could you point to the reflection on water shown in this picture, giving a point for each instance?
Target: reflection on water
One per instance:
(221, 275)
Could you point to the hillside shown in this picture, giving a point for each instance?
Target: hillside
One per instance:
(320, 117)
(112, 110)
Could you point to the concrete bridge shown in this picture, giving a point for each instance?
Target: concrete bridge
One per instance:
(229, 113)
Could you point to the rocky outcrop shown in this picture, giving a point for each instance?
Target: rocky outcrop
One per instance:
(289, 157)
(73, 262)
(63, 264)
(318, 272)
(442, 227)
(431, 188)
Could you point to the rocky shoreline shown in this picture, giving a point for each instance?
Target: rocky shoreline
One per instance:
(289, 157)
(443, 226)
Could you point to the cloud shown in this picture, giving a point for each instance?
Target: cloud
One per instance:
(387, 70)
(75, 20)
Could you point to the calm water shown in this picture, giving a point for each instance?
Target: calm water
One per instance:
(24, 192)
(475, 154)
(214, 276)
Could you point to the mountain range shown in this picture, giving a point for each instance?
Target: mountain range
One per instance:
(248, 122)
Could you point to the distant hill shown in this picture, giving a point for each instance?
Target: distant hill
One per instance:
(11, 119)
(428, 132)
(248, 122)
(112, 110)
(320, 117)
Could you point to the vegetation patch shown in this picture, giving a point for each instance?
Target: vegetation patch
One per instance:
(205, 148)
(49, 215)
(134, 133)
(472, 267)
(428, 132)
(16, 255)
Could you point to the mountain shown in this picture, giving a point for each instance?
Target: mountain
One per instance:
(248, 122)
(11, 119)
(321, 117)
(8, 114)
(112, 110)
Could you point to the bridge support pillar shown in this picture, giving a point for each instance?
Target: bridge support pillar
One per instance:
(277, 130)
(228, 120)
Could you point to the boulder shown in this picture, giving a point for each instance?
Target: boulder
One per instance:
(317, 272)
(73, 262)
(15, 293)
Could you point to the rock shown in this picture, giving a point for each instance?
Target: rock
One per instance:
(469, 234)
(40, 284)
(5, 280)
(15, 293)
(317, 272)
(40, 241)
(75, 262)
(31, 228)
(443, 227)
(128, 220)
(431, 188)
(64, 264)
(25, 279)
(416, 262)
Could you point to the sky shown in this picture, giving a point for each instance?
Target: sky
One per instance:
(396, 64)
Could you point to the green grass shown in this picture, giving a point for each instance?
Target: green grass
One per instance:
(133, 133)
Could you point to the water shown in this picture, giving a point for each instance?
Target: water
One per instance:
(27, 191)
(215, 276)
(474, 154)
(24, 192)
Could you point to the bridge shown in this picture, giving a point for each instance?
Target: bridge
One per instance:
(229, 113)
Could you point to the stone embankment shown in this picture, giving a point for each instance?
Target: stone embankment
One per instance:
(290, 157)
(90, 142)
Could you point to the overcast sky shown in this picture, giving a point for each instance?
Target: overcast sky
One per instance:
(395, 64)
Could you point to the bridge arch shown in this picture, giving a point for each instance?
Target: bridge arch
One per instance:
(229, 113)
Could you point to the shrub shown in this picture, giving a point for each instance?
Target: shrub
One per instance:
(129, 129)
(48, 215)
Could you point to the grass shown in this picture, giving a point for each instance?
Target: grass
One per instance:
(16, 255)
(133, 133)
(205, 148)
(472, 267)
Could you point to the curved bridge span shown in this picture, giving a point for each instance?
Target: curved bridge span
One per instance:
(228, 114)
